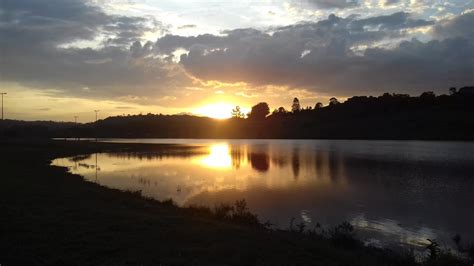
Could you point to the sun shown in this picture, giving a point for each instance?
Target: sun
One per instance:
(217, 110)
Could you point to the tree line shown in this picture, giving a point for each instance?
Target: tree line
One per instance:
(262, 109)
(388, 116)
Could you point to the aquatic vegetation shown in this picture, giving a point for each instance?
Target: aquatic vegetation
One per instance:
(237, 213)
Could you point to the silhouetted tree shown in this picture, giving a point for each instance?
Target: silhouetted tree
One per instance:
(427, 97)
(466, 91)
(295, 107)
(236, 113)
(333, 101)
(279, 112)
(452, 90)
(427, 94)
(318, 105)
(435, 117)
(259, 111)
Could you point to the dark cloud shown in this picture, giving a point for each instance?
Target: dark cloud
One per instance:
(328, 4)
(45, 22)
(325, 56)
(460, 26)
(128, 29)
(322, 56)
(32, 38)
(390, 2)
(53, 22)
(187, 26)
(395, 21)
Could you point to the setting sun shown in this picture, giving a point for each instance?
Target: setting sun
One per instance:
(218, 110)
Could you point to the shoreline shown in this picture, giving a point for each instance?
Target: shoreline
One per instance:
(53, 216)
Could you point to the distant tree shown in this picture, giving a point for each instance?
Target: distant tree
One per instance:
(295, 107)
(318, 105)
(427, 95)
(259, 111)
(452, 91)
(281, 110)
(237, 113)
(333, 101)
(466, 91)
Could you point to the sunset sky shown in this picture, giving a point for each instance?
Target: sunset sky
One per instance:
(65, 58)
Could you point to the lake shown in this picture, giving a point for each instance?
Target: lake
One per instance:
(392, 192)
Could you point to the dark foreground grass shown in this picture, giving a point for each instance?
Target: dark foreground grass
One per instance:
(49, 216)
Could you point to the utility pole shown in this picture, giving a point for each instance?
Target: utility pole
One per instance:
(96, 111)
(2, 93)
(75, 122)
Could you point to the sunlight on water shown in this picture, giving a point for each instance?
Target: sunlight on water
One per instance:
(401, 192)
(219, 157)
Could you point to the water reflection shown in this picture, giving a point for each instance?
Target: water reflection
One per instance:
(394, 195)
(219, 157)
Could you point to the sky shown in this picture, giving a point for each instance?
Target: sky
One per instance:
(66, 58)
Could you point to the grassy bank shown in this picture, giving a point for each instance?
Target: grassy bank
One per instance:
(49, 216)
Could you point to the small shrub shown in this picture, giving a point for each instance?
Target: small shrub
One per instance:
(470, 252)
(433, 250)
(169, 202)
(200, 211)
(301, 226)
(242, 215)
(343, 235)
(240, 207)
(291, 229)
(223, 211)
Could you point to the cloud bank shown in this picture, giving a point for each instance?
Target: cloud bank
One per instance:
(336, 55)
(41, 47)
(78, 49)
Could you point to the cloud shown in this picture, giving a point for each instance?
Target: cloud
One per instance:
(395, 21)
(460, 26)
(390, 2)
(330, 64)
(328, 4)
(41, 47)
(187, 26)
(74, 49)
(59, 22)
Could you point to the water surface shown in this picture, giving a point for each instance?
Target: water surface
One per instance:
(393, 192)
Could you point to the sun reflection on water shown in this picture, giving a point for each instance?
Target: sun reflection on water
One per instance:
(281, 181)
(218, 157)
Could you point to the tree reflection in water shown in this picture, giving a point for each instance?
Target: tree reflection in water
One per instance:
(380, 191)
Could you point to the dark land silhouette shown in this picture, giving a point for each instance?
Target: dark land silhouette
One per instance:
(389, 116)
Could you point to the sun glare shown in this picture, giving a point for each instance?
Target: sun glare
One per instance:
(219, 157)
(217, 110)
